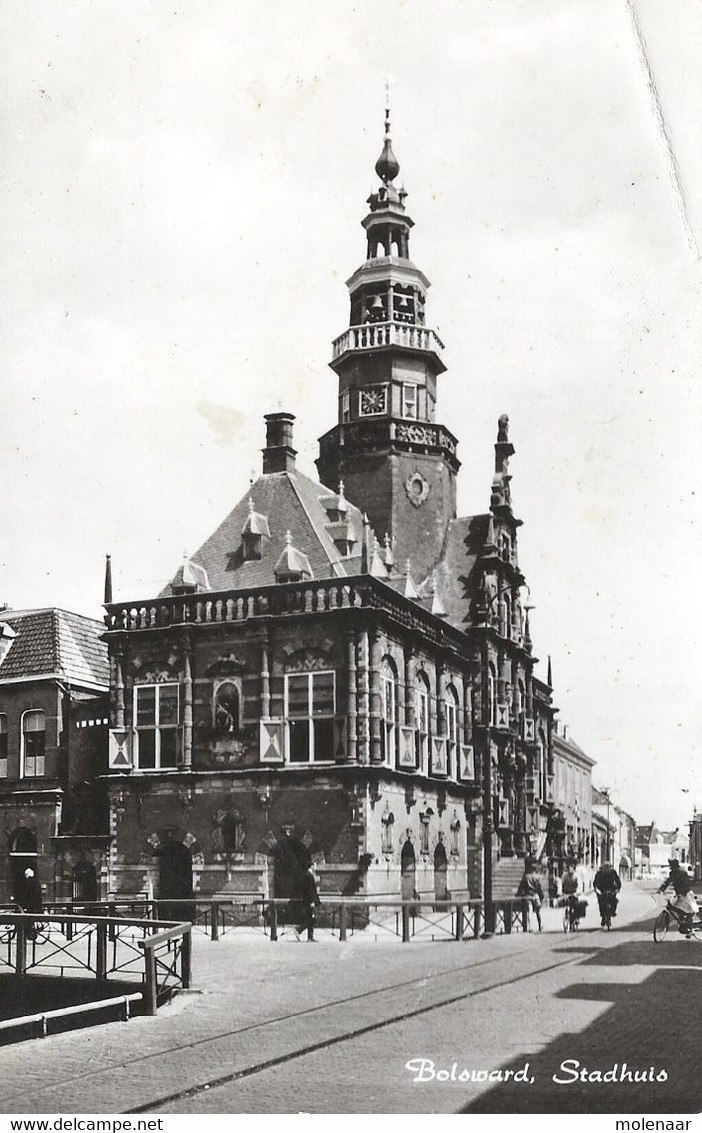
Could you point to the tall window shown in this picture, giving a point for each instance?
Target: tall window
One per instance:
(389, 732)
(492, 694)
(409, 400)
(156, 719)
(422, 714)
(3, 746)
(33, 743)
(309, 708)
(345, 406)
(451, 709)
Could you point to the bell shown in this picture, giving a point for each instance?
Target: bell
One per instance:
(376, 304)
(404, 301)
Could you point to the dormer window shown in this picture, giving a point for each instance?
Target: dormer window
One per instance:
(251, 545)
(293, 565)
(7, 636)
(252, 533)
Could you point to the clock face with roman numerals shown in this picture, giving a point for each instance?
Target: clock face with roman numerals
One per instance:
(372, 401)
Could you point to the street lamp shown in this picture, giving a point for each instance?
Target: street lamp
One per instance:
(605, 792)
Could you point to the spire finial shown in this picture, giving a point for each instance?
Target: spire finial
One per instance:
(387, 166)
(108, 579)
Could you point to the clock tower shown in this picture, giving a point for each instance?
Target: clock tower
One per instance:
(397, 464)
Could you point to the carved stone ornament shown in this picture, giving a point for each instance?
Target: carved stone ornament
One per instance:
(307, 660)
(226, 664)
(417, 488)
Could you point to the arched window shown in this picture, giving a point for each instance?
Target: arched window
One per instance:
(422, 718)
(23, 854)
(33, 744)
(492, 693)
(451, 709)
(3, 745)
(227, 708)
(389, 730)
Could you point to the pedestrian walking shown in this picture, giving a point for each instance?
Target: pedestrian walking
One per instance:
(530, 886)
(30, 900)
(309, 900)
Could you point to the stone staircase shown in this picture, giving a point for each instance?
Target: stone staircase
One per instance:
(506, 875)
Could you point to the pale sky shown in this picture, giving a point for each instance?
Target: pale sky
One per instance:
(182, 191)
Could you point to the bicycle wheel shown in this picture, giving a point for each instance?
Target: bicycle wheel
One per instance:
(661, 925)
(566, 920)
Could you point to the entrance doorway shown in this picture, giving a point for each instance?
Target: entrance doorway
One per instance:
(85, 886)
(175, 882)
(408, 872)
(23, 855)
(440, 873)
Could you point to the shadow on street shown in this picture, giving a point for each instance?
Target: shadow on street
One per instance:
(651, 1026)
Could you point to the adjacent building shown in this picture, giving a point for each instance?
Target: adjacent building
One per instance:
(53, 736)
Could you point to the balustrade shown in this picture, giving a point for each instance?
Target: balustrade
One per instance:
(372, 336)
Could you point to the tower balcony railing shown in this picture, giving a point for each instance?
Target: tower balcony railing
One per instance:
(373, 336)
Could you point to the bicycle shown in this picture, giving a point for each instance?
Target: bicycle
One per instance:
(571, 920)
(672, 919)
(608, 907)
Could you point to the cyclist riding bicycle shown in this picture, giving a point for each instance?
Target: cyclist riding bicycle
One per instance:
(607, 884)
(685, 901)
(570, 887)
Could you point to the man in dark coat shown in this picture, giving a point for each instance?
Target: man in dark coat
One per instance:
(309, 899)
(530, 886)
(607, 884)
(30, 900)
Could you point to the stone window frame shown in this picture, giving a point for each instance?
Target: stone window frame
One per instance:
(451, 717)
(422, 695)
(390, 708)
(158, 728)
(312, 718)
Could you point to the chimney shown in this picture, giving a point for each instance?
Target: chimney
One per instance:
(279, 455)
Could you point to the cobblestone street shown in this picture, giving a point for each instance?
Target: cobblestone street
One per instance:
(330, 1027)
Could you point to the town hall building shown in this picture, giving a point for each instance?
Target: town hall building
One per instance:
(343, 672)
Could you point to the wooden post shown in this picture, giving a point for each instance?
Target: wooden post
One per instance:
(477, 919)
(342, 921)
(112, 912)
(101, 953)
(405, 923)
(273, 915)
(69, 925)
(215, 921)
(508, 910)
(186, 953)
(21, 950)
(151, 989)
(459, 922)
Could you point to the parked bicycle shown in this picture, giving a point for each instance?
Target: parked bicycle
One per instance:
(671, 919)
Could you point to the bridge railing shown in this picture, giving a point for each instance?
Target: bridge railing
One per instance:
(157, 953)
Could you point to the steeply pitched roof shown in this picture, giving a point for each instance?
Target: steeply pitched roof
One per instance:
(289, 501)
(454, 576)
(55, 642)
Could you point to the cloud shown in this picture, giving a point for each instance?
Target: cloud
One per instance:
(225, 421)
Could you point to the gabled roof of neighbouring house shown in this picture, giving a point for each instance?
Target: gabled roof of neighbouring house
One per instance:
(52, 642)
